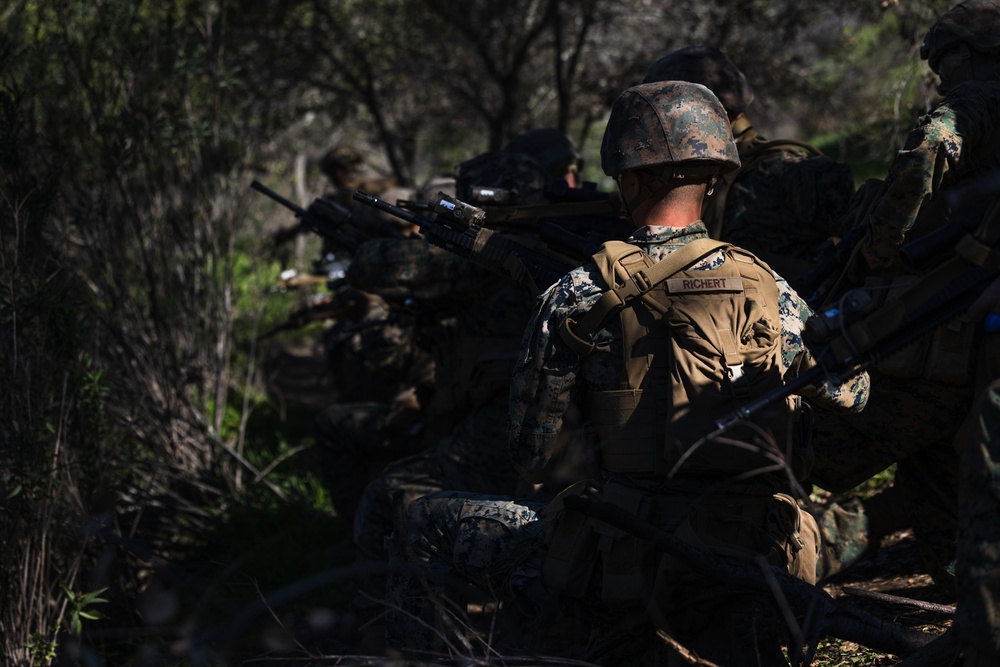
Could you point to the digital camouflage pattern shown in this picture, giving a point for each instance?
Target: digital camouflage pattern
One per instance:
(954, 141)
(375, 355)
(486, 538)
(680, 124)
(909, 422)
(486, 315)
(546, 379)
(384, 379)
(474, 357)
(903, 417)
(356, 440)
(497, 543)
(470, 458)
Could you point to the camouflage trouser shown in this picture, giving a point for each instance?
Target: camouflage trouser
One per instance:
(978, 572)
(453, 539)
(472, 459)
(910, 422)
(499, 545)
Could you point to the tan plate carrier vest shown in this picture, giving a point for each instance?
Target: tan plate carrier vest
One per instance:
(696, 344)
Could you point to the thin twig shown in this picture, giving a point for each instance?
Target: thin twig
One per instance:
(896, 599)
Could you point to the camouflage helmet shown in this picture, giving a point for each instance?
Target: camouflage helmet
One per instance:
(711, 68)
(550, 147)
(975, 23)
(675, 123)
(501, 177)
(340, 158)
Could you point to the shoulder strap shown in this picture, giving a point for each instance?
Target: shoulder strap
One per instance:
(630, 273)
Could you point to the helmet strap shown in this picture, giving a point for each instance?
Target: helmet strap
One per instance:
(660, 184)
(741, 124)
(966, 69)
(654, 187)
(711, 185)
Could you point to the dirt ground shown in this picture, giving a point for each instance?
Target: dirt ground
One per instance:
(895, 570)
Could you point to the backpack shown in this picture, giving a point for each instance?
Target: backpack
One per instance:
(698, 344)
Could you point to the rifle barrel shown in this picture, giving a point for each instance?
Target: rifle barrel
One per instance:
(260, 187)
(402, 213)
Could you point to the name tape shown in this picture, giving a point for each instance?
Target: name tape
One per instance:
(689, 285)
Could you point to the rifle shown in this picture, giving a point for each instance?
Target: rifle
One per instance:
(964, 216)
(854, 334)
(316, 311)
(319, 308)
(460, 228)
(584, 211)
(324, 217)
(828, 275)
(827, 279)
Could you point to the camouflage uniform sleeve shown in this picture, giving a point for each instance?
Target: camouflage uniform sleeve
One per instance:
(941, 142)
(794, 311)
(542, 386)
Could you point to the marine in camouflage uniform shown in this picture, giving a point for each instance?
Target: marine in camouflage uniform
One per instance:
(978, 572)
(913, 414)
(474, 355)
(384, 375)
(978, 566)
(385, 380)
(787, 199)
(500, 543)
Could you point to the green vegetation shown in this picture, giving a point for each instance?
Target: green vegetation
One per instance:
(141, 457)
